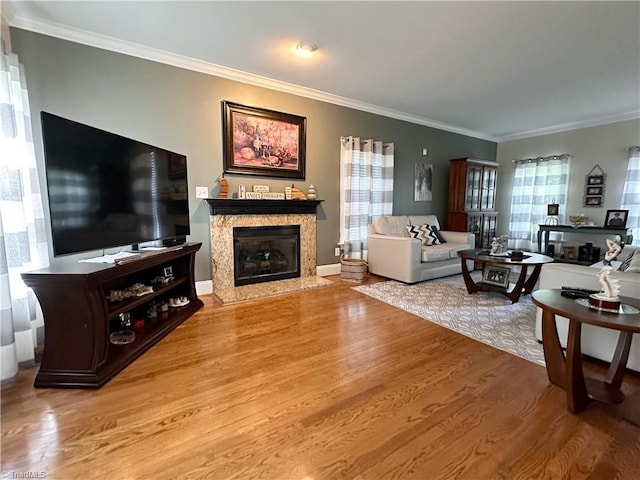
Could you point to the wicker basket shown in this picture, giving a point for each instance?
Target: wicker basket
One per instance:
(353, 269)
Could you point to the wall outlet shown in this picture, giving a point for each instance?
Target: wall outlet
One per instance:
(202, 192)
(337, 252)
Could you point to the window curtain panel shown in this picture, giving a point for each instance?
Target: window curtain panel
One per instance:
(536, 184)
(631, 193)
(366, 190)
(23, 244)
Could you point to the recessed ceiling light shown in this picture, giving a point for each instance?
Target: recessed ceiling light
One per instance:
(305, 49)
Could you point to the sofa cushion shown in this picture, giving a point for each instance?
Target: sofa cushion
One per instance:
(424, 233)
(454, 248)
(392, 225)
(435, 253)
(614, 263)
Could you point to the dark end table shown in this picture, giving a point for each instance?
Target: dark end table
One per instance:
(524, 284)
(567, 372)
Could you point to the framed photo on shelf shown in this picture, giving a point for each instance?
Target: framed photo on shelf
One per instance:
(263, 142)
(570, 253)
(495, 275)
(616, 218)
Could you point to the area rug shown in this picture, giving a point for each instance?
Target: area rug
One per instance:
(488, 317)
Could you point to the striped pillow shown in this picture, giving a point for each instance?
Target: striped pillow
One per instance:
(424, 233)
(437, 233)
(625, 265)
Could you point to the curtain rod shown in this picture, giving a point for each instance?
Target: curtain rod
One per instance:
(346, 140)
(543, 159)
(634, 148)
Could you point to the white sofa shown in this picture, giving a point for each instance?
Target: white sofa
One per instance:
(597, 342)
(396, 255)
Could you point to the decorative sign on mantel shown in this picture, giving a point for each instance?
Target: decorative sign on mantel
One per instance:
(594, 187)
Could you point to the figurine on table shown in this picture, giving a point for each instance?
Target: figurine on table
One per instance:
(608, 297)
(499, 245)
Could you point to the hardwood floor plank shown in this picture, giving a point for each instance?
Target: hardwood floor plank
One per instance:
(320, 384)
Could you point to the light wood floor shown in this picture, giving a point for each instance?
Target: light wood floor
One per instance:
(322, 384)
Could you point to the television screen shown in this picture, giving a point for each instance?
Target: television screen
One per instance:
(107, 191)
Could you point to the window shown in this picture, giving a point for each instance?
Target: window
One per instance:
(366, 190)
(537, 183)
(631, 193)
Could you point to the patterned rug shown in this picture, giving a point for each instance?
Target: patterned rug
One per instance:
(488, 317)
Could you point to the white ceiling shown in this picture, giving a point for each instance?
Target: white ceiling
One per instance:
(495, 70)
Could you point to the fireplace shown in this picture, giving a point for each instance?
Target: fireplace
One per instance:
(265, 254)
(231, 216)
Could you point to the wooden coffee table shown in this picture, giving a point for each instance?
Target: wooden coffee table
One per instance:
(567, 372)
(524, 284)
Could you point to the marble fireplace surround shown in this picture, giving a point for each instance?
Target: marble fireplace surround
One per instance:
(229, 213)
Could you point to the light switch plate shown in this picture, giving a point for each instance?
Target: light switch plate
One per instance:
(202, 192)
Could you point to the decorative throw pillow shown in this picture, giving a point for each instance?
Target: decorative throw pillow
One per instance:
(437, 233)
(631, 264)
(424, 233)
(625, 264)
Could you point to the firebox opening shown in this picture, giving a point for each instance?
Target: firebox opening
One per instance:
(265, 254)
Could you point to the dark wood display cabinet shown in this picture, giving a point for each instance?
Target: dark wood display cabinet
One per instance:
(80, 315)
(472, 197)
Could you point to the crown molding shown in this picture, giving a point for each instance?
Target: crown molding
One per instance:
(632, 115)
(104, 42)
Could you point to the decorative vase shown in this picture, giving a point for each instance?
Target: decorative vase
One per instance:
(311, 194)
(224, 188)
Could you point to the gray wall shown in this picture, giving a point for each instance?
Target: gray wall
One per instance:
(180, 110)
(604, 145)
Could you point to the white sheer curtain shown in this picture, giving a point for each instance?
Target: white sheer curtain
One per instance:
(366, 190)
(22, 233)
(537, 183)
(631, 193)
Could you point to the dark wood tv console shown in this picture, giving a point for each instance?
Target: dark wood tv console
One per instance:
(79, 316)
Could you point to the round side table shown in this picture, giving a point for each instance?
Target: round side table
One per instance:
(566, 372)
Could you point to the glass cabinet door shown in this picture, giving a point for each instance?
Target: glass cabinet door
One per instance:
(489, 224)
(489, 180)
(474, 222)
(474, 188)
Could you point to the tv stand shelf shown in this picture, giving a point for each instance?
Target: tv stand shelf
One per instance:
(79, 317)
(117, 308)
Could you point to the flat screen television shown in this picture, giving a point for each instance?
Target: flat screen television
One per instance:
(109, 191)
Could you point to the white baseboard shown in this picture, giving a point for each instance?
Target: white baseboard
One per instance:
(204, 287)
(326, 270)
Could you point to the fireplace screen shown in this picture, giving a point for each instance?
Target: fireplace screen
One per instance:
(264, 254)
